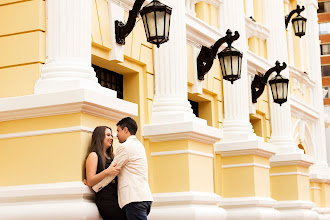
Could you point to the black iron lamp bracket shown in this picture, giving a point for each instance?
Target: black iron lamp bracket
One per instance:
(298, 10)
(123, 30)
(259, 82)
(207, 55)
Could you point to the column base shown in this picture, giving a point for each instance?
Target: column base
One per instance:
(186, 206)
(72, 200)
(297, 210)
(324, 213)
(250, 208)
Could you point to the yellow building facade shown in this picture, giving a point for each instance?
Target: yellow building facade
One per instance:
(212, 153)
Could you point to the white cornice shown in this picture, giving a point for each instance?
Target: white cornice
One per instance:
(291, 159)
(67, 102)
(238, 148)
(200, 32)
(294, 204)
(301, 76)
(303, 110)
(186, 130)
(127, 4)
(254, 29)
(257, 63)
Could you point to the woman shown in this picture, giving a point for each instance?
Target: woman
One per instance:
(100, 156)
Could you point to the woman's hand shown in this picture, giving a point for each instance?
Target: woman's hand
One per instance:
(112, 170)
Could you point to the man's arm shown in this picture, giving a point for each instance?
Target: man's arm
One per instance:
(120, 159)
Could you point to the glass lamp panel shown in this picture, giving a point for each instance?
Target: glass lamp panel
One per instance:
(222, 65)
(227, 65)
(160, 19)
(167, 25)
(240, 66)
(145, 23)
(151, 24)
(280, 90)
(274, 91)
(235, 65)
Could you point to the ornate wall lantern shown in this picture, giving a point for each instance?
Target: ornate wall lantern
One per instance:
(298, 23)
(278, 84)
(156, 19)
(230, 58)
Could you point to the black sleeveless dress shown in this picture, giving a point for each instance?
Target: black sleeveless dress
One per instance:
(107, 199)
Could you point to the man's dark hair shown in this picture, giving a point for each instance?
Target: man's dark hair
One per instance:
(129, 123)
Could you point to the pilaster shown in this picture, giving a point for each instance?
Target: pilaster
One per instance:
(290, 186)
(243, 176)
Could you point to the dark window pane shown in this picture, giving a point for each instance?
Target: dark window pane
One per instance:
(110, 80)
(194, 106)
(325, 70)
(325, 49)
(324, 7)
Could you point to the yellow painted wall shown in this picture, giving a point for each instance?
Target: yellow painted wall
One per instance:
(316, 194)
(258, 11)
(207, 13)
(23, 45)
(301, 92)
(256, 179)
(181, 172)
(46, 158)
(258, 46)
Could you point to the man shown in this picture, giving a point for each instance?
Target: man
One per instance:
(133, 189)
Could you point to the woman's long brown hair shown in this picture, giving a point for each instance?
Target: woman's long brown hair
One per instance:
(97, 144)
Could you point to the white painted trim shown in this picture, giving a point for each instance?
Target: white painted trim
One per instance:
(66, 102)
(315, 187)
(303, 110)
(237, 148)
(201, 33)
(176, 152)
(289, 173)
(299, 159)
(301, 76)
(46, 132)
(191, 197)
(294, 204)
(246, 165)
(239, 202)
(254, 29)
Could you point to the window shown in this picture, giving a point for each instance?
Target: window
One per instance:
(194, 106)
(324, 28)
(327, 88)
(110, 80)
(324, 7)
(325, 49)
(325, 70)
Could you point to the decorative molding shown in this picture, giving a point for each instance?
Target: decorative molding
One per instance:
(66, 102)
(256, 63)
(302, 110)
(69, 200)
(322, 211)
(176, 152)
(187, 206)
(127, 4)
(314, 187)
(246, 165)
(298, 159)
(201, 33)
(240, 202)
(289, 173)
(191, 130)
(238, 148)
(46, 132)
(301, 76)
(254, 29)
(294, 204)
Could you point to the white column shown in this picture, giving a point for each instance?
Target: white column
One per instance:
(68, 45)
(280, 115)
(312, 36)
(171, 99)
(236, 122)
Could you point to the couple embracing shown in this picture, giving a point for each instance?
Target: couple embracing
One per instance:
(120, 181)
